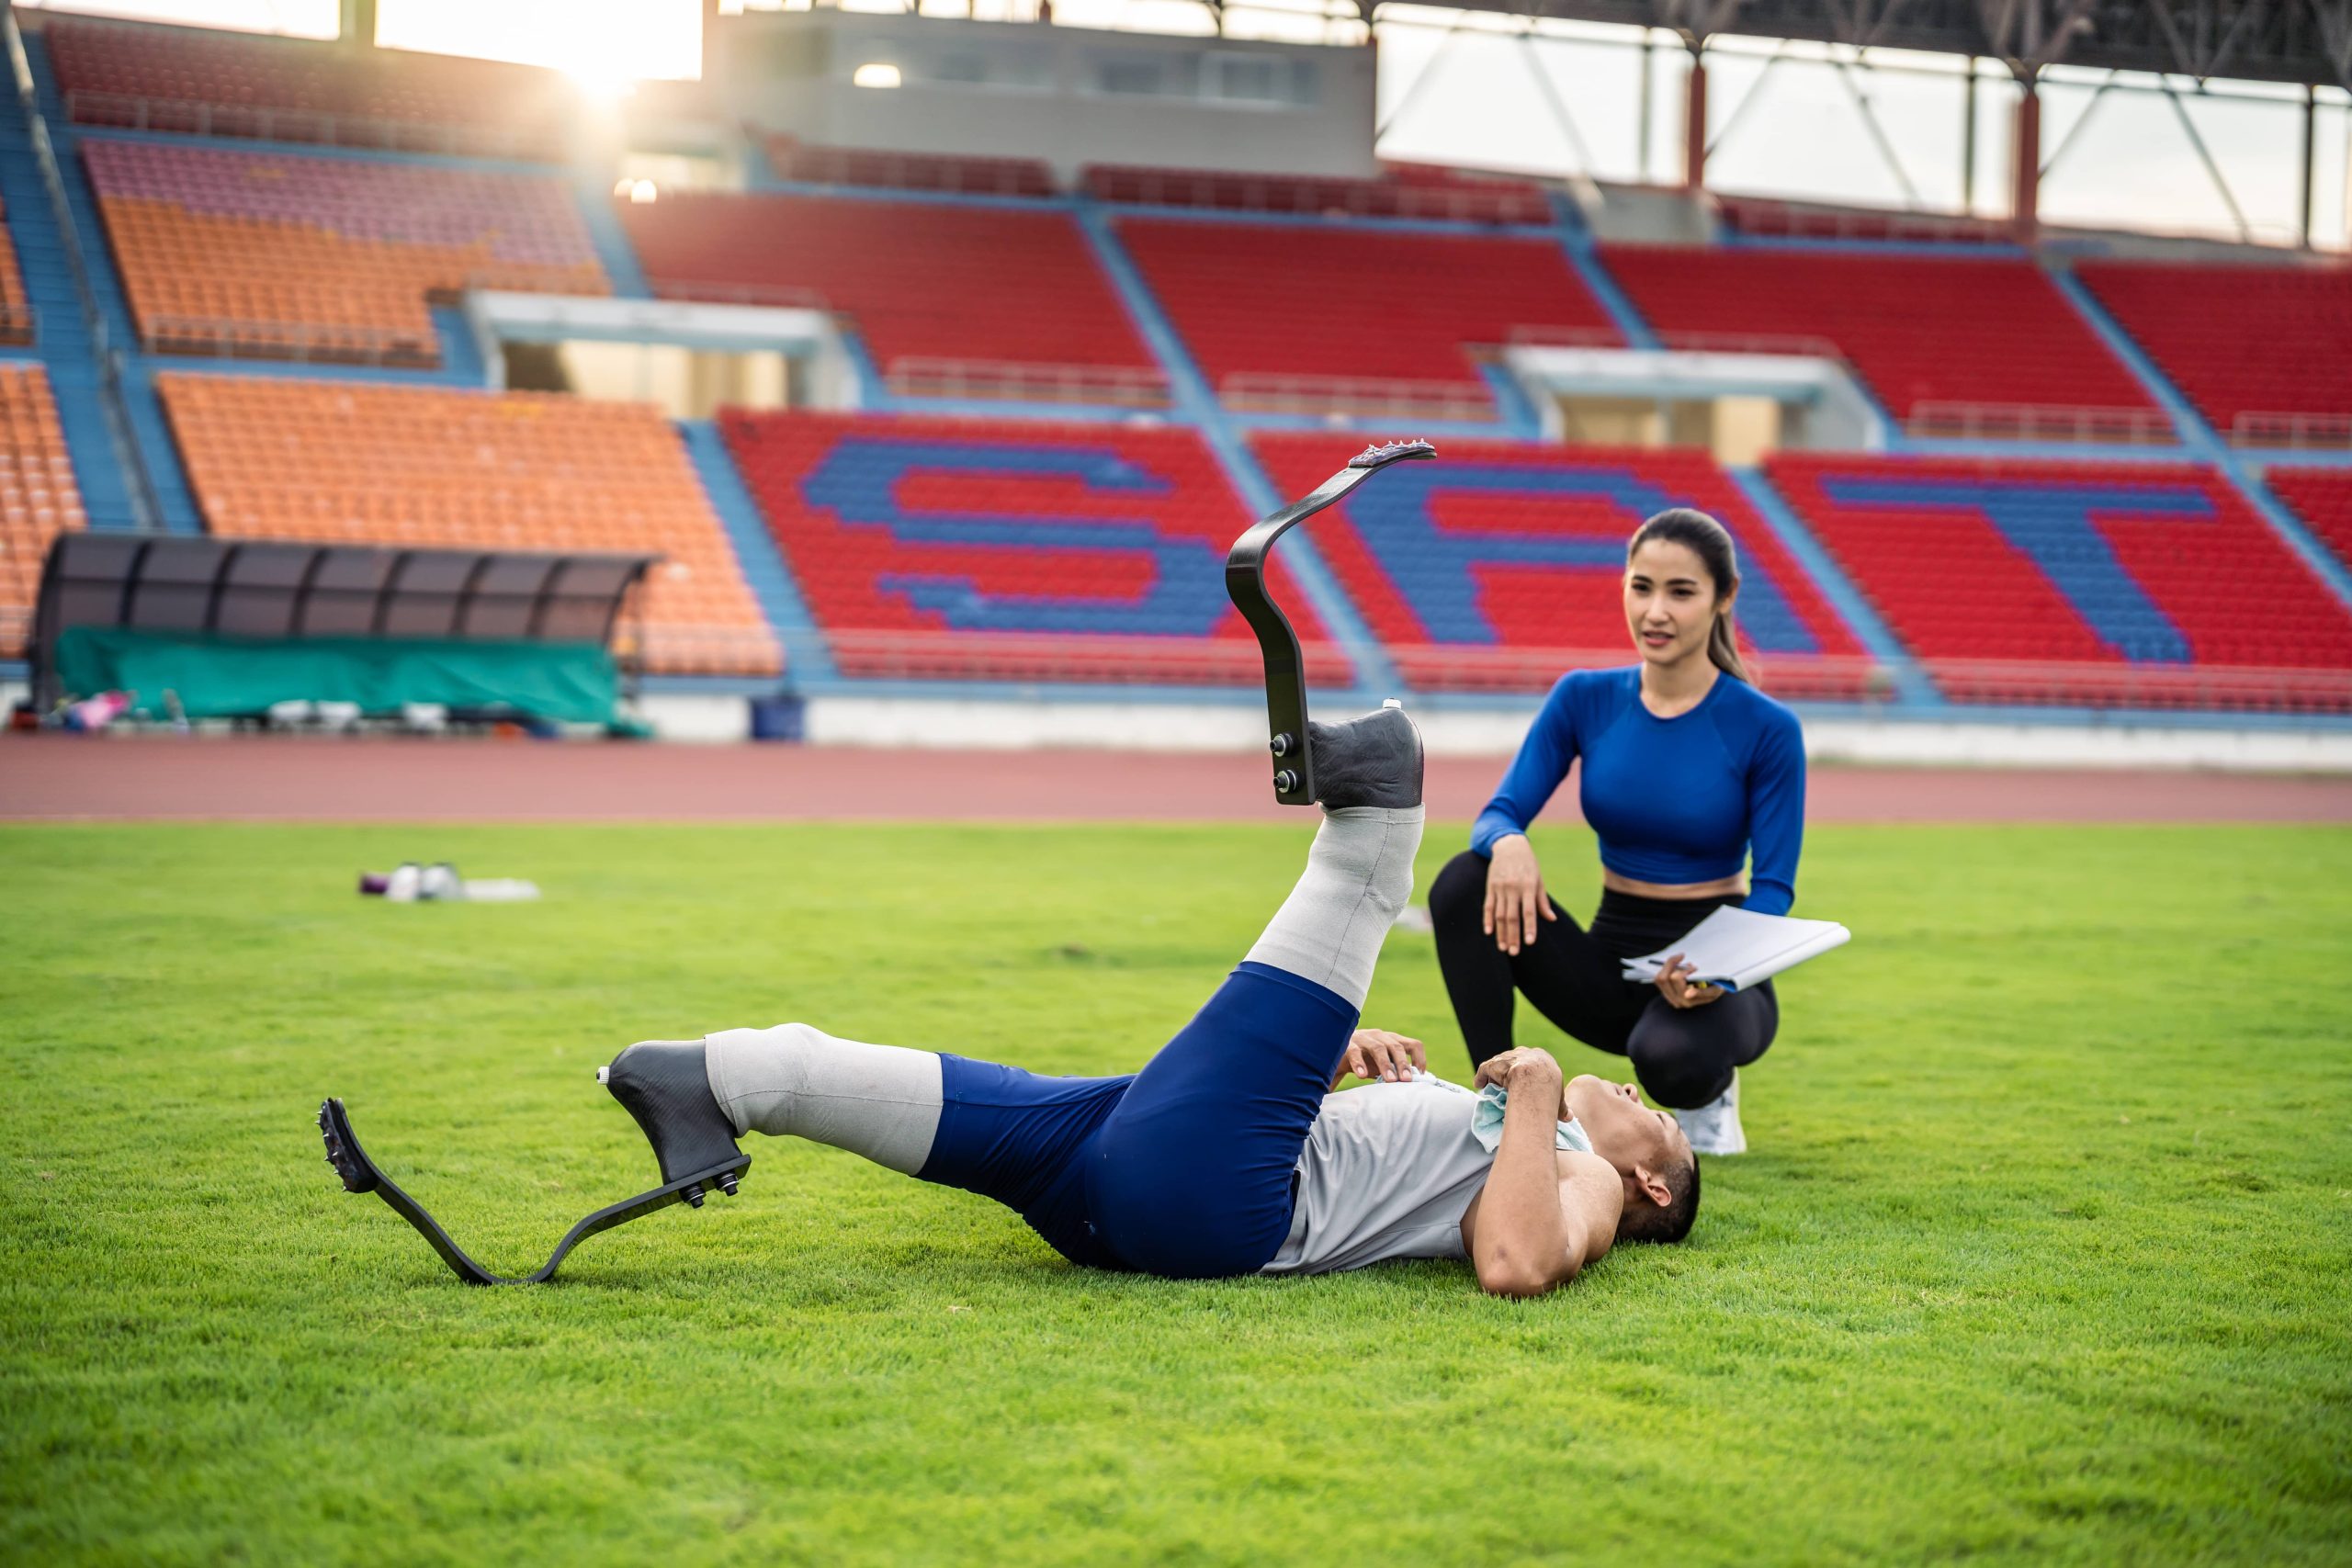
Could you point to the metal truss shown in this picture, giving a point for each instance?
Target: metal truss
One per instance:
(2304, 41)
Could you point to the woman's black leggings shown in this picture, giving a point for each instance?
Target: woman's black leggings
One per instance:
(1684, 1057)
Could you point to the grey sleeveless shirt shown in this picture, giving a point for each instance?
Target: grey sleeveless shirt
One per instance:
(1386, 1172)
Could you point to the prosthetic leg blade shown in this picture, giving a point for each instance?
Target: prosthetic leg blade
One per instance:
(1244, 583)
(359, 1174)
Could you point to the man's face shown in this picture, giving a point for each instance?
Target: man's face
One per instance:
(1624, 1131)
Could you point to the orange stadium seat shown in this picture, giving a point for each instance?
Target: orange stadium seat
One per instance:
(16, 309)
(1355, 314)
(926, 284)
(203, 80)
(324, 258)
(1987, 332)
(2242, 340)
(388, 465)
(38, 496)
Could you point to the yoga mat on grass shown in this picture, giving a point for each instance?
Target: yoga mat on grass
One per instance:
(220, 677)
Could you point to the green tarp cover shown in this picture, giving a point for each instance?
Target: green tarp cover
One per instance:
(217, 677)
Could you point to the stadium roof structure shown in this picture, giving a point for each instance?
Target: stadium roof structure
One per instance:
(2307, 42)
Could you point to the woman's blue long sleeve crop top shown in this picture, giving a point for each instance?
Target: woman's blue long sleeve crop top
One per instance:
(1675, 800)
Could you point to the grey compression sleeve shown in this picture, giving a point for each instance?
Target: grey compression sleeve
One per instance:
(881, 1101)
(1359, 877)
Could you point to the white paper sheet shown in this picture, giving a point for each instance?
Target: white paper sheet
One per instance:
(1736, 949)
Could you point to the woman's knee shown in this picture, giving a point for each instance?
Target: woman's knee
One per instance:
(1458, 893)
(1681, 1065)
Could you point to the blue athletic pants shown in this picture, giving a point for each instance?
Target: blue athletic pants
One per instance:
(1183, 1169)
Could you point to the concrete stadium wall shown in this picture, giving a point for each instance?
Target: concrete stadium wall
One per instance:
(1240, 726)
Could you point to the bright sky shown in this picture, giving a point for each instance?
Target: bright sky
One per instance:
(1473, 88)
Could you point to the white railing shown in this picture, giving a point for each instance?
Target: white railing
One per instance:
(1766, 219)
(1943, 419)
(197, 117)
(773, 296)
(1254, 392)
(1799, 344)
(904, 171)
(1308, 196)
(2238, 688)
(1116, 385)
(2292, 432)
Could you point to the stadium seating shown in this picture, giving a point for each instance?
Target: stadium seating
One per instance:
(1354, 315)
(977, 549)
(16, 309)
(2140, 582)
(793, 159)
(1501, 565)
(930, 286)
(322, 257)
(1766, 219)
(1407, 191)
(271, 458)
(1974, 330)
(2322, 499)
(201, 80)
(2244, 340)
(38, 496)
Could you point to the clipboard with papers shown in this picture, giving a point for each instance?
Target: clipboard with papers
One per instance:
(1735, 949)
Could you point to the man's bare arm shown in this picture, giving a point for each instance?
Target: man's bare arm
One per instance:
(1532, 1226)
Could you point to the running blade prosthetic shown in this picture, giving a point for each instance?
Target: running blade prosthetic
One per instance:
(1288, 734)
(360, 1174)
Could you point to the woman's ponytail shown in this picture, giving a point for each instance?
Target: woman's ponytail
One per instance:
(1710, 542)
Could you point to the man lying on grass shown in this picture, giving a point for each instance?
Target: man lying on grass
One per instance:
(1225, 1154)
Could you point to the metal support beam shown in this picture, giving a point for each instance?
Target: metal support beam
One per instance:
(2310, 151)
(1694, 122)
(2025, 179)
(1968, 141)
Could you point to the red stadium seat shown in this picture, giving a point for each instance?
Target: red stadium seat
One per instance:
(2322, 499)
(277, 459)
(941, 548)
(1379, 318)
(929, 285)
(1500, 566)
(1966, 329)
(2242, 340)
(2146, 583)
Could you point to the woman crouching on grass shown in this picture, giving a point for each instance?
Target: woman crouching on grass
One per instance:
(1685, 764)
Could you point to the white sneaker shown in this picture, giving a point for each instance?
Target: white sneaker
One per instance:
(1713, 1128)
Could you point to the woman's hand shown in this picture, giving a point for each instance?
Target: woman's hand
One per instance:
(1514, 894)
(1377, 1054)
(1674, 983)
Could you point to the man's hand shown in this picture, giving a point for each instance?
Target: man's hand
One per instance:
(1527, 1064)
(1515, 895)
(1377, 1054)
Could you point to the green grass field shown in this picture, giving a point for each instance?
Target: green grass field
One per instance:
(2045, 1253)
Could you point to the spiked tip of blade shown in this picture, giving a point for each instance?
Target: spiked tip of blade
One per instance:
(354, 1172)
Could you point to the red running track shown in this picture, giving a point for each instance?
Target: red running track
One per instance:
(58, 778)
